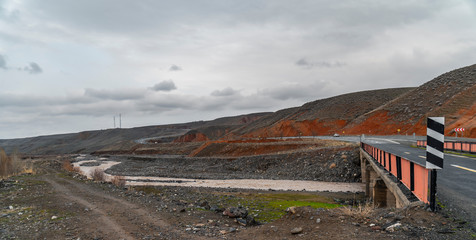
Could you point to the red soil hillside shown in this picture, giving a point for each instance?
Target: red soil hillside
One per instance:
(217, 128)
(381, 112)
(452, 95)
(321, 117)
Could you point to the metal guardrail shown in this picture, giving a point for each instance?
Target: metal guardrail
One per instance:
(412, 175)
(457, 146)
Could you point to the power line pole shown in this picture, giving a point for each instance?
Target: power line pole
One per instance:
(120, 120)
(114, 117)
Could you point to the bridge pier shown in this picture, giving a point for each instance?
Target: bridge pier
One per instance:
(378, 186)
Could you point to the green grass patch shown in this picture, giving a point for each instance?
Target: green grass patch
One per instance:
(285, 204)
(267, 207)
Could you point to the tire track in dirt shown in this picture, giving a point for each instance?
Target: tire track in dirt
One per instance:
(109, 226)
(112, 217)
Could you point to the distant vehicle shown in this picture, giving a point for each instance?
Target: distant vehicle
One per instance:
(336, 135)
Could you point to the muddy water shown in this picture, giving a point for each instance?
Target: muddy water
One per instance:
(259, 184)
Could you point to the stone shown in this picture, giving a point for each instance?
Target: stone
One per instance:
(318, 220)
(236, 212)
(291, 210)
(333, 165)
(54, 217)
(376, 228)
(393, 227)
(296, 230)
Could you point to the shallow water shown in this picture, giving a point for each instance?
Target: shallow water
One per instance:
(259, 184)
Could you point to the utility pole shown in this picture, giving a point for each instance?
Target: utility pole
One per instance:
(114, 117)
(120, 120)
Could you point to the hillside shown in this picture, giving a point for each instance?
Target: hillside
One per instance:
(90, 141)
(321, 117)
(119, 140)
(217, 128)
(452, 95)
(380, 112)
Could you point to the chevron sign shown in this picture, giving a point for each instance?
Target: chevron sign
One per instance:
(435, 137)
(459, 129)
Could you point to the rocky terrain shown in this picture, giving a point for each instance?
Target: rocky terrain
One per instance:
(311, 160)
(55, 204)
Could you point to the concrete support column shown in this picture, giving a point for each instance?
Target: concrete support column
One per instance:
(379, 193)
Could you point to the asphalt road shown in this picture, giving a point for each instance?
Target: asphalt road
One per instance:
(456, 182)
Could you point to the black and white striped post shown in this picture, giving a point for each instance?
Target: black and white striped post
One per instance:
(435, 138)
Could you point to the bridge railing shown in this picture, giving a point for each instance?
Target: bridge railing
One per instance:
(457, 146)
(413, 175)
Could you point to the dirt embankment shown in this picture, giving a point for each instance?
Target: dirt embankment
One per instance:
(254, 147)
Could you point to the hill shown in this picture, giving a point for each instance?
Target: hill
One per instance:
(380, 112)
(321, 117)
(452, 95)
(117, 140)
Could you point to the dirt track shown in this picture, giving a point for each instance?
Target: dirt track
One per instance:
(119, 218)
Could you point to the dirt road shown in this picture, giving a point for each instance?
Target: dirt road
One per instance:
(113, 213)
(118, 218)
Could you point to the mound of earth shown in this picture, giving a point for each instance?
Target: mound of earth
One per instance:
(239, 148)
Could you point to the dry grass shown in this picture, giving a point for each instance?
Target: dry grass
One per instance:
(13, 165)
(362, 210)
(119, 181)
(68, 166)
(98, 175)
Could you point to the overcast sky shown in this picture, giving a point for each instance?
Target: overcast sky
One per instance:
(69, 65)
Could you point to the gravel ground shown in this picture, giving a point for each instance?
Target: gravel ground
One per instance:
(326, 164)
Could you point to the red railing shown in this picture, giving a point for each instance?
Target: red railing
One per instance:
(413, 175)
(457, 146)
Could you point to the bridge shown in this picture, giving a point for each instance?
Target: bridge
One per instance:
(394, 173)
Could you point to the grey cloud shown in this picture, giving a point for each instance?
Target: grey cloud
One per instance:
(224, 92)
(33, 68)
(165, 86)
(297, 91)
(119, 95)
(304, 63)
(175, 68)
(3, 63)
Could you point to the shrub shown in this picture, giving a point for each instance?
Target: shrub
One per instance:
(119, 181)
(13, 165)
(98, 175)
(66, 165)
(362, 210)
